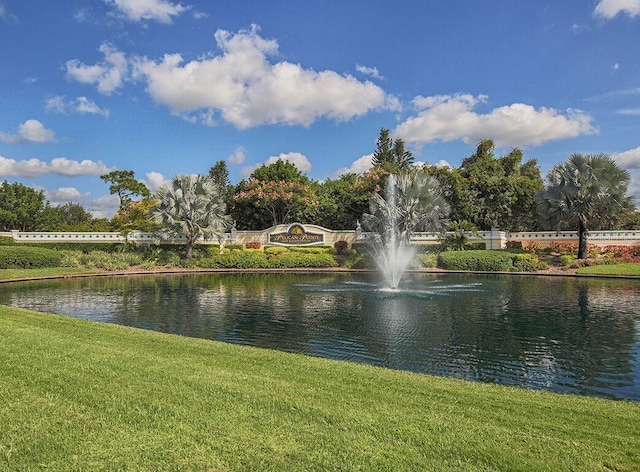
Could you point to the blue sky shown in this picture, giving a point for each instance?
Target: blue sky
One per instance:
(164, 87)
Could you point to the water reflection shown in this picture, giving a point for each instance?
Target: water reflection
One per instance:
(562, 334)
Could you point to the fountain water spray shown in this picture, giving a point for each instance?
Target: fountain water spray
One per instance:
(392, 249)
(413, 202)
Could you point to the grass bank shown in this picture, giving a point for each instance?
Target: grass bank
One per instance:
(613, 269)
(78, 395)
(6, 274)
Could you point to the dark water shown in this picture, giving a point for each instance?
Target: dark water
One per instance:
(562, 334)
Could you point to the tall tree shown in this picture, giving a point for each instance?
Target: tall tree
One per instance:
(492, 192)
(190, 206)
(20, 207)
(274, 194)
(391, 154)
(342, 202)
(135, 217)
(587, 191)
(66, 217)
(124, 184)
(219, 174)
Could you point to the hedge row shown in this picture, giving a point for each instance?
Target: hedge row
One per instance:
(250, 259)
(21, 257)
(476, 260)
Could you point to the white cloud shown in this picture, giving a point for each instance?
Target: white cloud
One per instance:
(59, 166)
(103, 207)
(241, 86)
(63, 195)
(154, 181)
(30, 80)
(108, 75)
(238, 156)
(295, 158)
(628, 159)
(82, 105)
(359, 166)
(449, 118)
(442, 163)
(6, 15)
(372, 71)
(629, 111)
(30, 131)
(161, 11)
(610, 8)
(244, 88)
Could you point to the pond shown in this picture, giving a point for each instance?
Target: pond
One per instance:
(562, 334)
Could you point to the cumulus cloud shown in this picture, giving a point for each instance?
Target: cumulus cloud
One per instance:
(162, 11)
(359, 166)
(628, 159)
(30, 131)
(372, 71)
(299, 160)
(448, 118)
(108, 75)
(242, 85)
(103, 207)
(82, 105)
(154, 181)
(238, 156)
(59, 166)
(610, 8)
(63, 195)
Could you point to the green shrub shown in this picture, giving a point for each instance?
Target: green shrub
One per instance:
(231, 247)
(275, 250)
(7, 241)
(235, 260)
(525, 262)
(566, 259)
(25, 257)
(478, 260)
(311, 249)
(428, 259)
(294, 259)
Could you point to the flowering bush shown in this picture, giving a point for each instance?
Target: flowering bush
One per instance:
(253, 245)
(564, 247)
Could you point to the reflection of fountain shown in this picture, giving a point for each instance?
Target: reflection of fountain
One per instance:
(413, 202)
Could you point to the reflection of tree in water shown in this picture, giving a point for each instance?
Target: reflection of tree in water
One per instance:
(535, 331)
(547, 330)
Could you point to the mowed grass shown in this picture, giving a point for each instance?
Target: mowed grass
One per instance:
(6, 274)
(614, 269)
(78, 395)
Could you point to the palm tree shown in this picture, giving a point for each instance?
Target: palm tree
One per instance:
(584, 192)
(191, 206)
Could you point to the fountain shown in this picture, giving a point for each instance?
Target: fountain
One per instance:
(412, 202)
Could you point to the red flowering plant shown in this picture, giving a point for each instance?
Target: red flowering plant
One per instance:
(279, 198)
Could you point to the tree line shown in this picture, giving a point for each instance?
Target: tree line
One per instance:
(486, 191)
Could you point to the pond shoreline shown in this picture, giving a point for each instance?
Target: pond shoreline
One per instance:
(552, 272)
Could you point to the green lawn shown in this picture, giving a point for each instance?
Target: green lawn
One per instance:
(43, 272)
(614, 269)
(77, 395)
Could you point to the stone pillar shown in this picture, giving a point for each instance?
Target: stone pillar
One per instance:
(497, 240)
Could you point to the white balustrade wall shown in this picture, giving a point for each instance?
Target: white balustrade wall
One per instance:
(493, 239)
